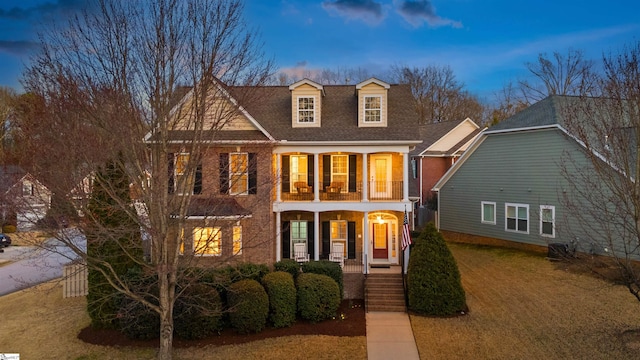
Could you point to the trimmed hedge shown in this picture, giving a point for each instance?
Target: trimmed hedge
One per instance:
(318, 296)
(433, 277)
(288, 265)
(328, 268)
(248, 305)
(282, 298)
(198, 312)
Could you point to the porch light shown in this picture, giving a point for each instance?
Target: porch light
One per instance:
(380, 219)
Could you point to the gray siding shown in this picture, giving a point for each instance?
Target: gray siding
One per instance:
(519, 167)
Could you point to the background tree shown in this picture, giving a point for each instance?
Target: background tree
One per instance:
(115, 74)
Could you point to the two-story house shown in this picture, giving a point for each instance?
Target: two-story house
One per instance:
(24, 200)
(307, 171)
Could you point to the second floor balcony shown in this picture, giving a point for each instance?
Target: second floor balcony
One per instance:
(338, 191)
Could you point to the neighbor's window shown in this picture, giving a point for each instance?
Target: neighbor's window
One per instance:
(372, 108)
(547, 220)
(306, 109)
(27, 188)
(237, 240)
(488, 210)
(517, 217)
(238, 173)
(207, 241)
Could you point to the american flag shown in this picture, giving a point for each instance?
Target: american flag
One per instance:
(406, 235)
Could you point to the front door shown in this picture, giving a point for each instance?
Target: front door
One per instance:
(380, 241)
(380, 176)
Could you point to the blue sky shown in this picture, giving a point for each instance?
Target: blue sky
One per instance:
(486, 43)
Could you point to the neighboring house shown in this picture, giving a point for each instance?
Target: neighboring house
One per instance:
(24, 199)
(508, 186)
(443, 143)
(305, 172)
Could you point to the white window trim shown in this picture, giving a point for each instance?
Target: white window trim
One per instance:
(344, 240)
(364, 112)
(482, 220)
(233, 176)
(553, 220)
(298, 110)
(177, 175)
(506, 206)
(237, 229)
(345, 186)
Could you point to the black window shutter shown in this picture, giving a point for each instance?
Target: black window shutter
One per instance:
(326, 239)
(310, 240)
(171, 173)
(353, 166)
(351, 240)
(285, 174)
(224, 173)
(326, 170)
(286, 240)
(253, 173)
(197, 184)
(310, 170)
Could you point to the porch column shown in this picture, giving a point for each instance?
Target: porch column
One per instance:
(316, 179)
(365, 178)
(405, 177)
(316, 235)
(365, 242)
(278, 178)
(278, 237)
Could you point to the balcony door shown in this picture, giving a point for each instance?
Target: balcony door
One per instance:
(380, 172)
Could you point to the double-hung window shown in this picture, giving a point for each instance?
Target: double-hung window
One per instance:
(207, 241)
(298, 170)
(306, 109)
(488, 210)
(517, 217)
(339, 235)
(238, 173)
(372, 109)
(237, 240)
(547, 220)
(340, 170)
(298, 232)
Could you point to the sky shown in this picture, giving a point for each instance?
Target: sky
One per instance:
(486, 43)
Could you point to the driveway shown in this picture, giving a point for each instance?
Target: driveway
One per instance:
(30, 265)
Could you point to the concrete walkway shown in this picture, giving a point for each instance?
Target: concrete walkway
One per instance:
(389, 336)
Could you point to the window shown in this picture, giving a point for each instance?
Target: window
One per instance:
(179, 170)
(517, 217)
(27, 188)
(373, 109)
(488, 210)
(340, 170)
(547, 220)
(306, 109)
(339, 234)
(238, 173)
(298, 170)
(207, 241)
(237, 240)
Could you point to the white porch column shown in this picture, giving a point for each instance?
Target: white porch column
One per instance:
(405, 177)
(316, 179)
(316, 235)
(365, 242)
(365, 178)
(278, 178)
(278, 237)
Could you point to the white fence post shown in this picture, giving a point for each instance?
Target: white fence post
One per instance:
(75, 281)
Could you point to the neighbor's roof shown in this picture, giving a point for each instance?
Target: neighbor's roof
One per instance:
(9, 175)
(432, 133)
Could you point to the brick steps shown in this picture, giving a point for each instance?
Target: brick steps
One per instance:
(383, 292)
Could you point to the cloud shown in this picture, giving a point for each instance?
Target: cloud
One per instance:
(368, 11)
(418, 12)
(47, 8)
(20, 47)
(300, 71)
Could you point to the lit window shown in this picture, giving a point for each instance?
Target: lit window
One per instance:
(306, 109)
(488, 212)
(372, 109)
(238, 173)
(547, 220)
(206, 241)
(182, 160)
(298, 230)
(298, 170)
(339, 234)
(340, 170)
(237, 240)
(517, 218)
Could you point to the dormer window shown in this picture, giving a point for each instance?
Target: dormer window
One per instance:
(372, 109)
(306, 109)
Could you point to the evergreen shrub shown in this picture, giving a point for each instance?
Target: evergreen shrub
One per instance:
(198, 312)
(282, 298)
(318, 296)
(328, 268)
(248, 304)
(288, 265)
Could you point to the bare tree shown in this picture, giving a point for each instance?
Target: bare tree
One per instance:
(560, 74)
(438, 96)
(603, 194)
(118, 73)
(508, 103)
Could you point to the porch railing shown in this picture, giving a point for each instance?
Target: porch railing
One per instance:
(378, 190)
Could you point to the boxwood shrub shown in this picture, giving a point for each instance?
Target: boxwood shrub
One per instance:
(328, 268)
(288, 265)
(198, 312)
(248, 306)
(433, 278)
(282, 298)
(318, 296)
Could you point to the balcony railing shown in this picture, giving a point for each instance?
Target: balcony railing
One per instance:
(378, 190)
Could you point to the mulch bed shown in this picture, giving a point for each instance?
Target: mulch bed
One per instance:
(354, 324)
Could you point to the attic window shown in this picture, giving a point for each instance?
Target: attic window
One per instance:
(306, 109)
(372, 109)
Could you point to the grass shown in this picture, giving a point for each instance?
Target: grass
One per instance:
(525, 307)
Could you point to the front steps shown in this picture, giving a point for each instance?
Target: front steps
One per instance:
(383, 292)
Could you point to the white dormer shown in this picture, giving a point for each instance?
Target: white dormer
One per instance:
(306, 103)
(372, 103)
